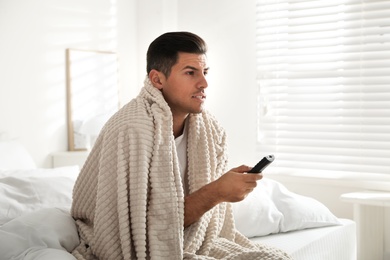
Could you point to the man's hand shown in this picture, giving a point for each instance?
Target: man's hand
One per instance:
(233, 186)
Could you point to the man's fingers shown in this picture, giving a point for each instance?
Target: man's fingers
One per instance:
(241, 168)
(253, 177)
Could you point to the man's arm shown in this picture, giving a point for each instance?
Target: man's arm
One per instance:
(233, 186)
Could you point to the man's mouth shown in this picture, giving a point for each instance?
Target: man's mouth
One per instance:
(199, 96)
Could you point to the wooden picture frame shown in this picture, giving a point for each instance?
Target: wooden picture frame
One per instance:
(92, 94)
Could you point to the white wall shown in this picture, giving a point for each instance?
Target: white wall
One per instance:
(33, 39)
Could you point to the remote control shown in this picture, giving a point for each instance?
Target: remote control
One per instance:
(262, 164)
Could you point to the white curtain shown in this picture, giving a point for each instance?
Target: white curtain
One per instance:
(324, 85)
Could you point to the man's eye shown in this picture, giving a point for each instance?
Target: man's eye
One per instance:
(190, 72)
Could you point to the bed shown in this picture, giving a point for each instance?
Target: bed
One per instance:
(302, 226)
(35, 222)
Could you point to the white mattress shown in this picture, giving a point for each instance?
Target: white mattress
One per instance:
(335, 242)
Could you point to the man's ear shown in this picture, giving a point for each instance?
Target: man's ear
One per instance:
(156, 78)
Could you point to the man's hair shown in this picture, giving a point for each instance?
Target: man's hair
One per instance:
(164, 51)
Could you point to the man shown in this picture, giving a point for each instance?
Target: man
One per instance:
(154, 185)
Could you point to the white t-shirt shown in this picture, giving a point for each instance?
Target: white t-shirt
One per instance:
(181, 148)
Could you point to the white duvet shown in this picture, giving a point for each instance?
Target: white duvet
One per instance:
(45, 234)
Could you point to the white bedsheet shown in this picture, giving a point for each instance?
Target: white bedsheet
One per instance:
(326, 243)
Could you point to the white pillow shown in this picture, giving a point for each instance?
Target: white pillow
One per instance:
(29, 190)
(301, 212)
(272, 208)
(13, 155)
(257, 215)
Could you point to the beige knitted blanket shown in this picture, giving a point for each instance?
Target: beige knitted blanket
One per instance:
(128, 201)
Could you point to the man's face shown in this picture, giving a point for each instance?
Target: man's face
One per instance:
(184, 89)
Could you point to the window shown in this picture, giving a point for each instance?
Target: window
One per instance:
(324, 85)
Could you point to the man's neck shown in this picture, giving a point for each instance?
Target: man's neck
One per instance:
(178, 125)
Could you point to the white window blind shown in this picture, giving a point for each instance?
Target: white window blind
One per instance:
(324, 85)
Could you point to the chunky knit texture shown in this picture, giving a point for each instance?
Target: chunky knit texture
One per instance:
(128, 201)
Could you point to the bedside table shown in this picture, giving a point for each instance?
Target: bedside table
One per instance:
(369, 215)
(60, 159)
